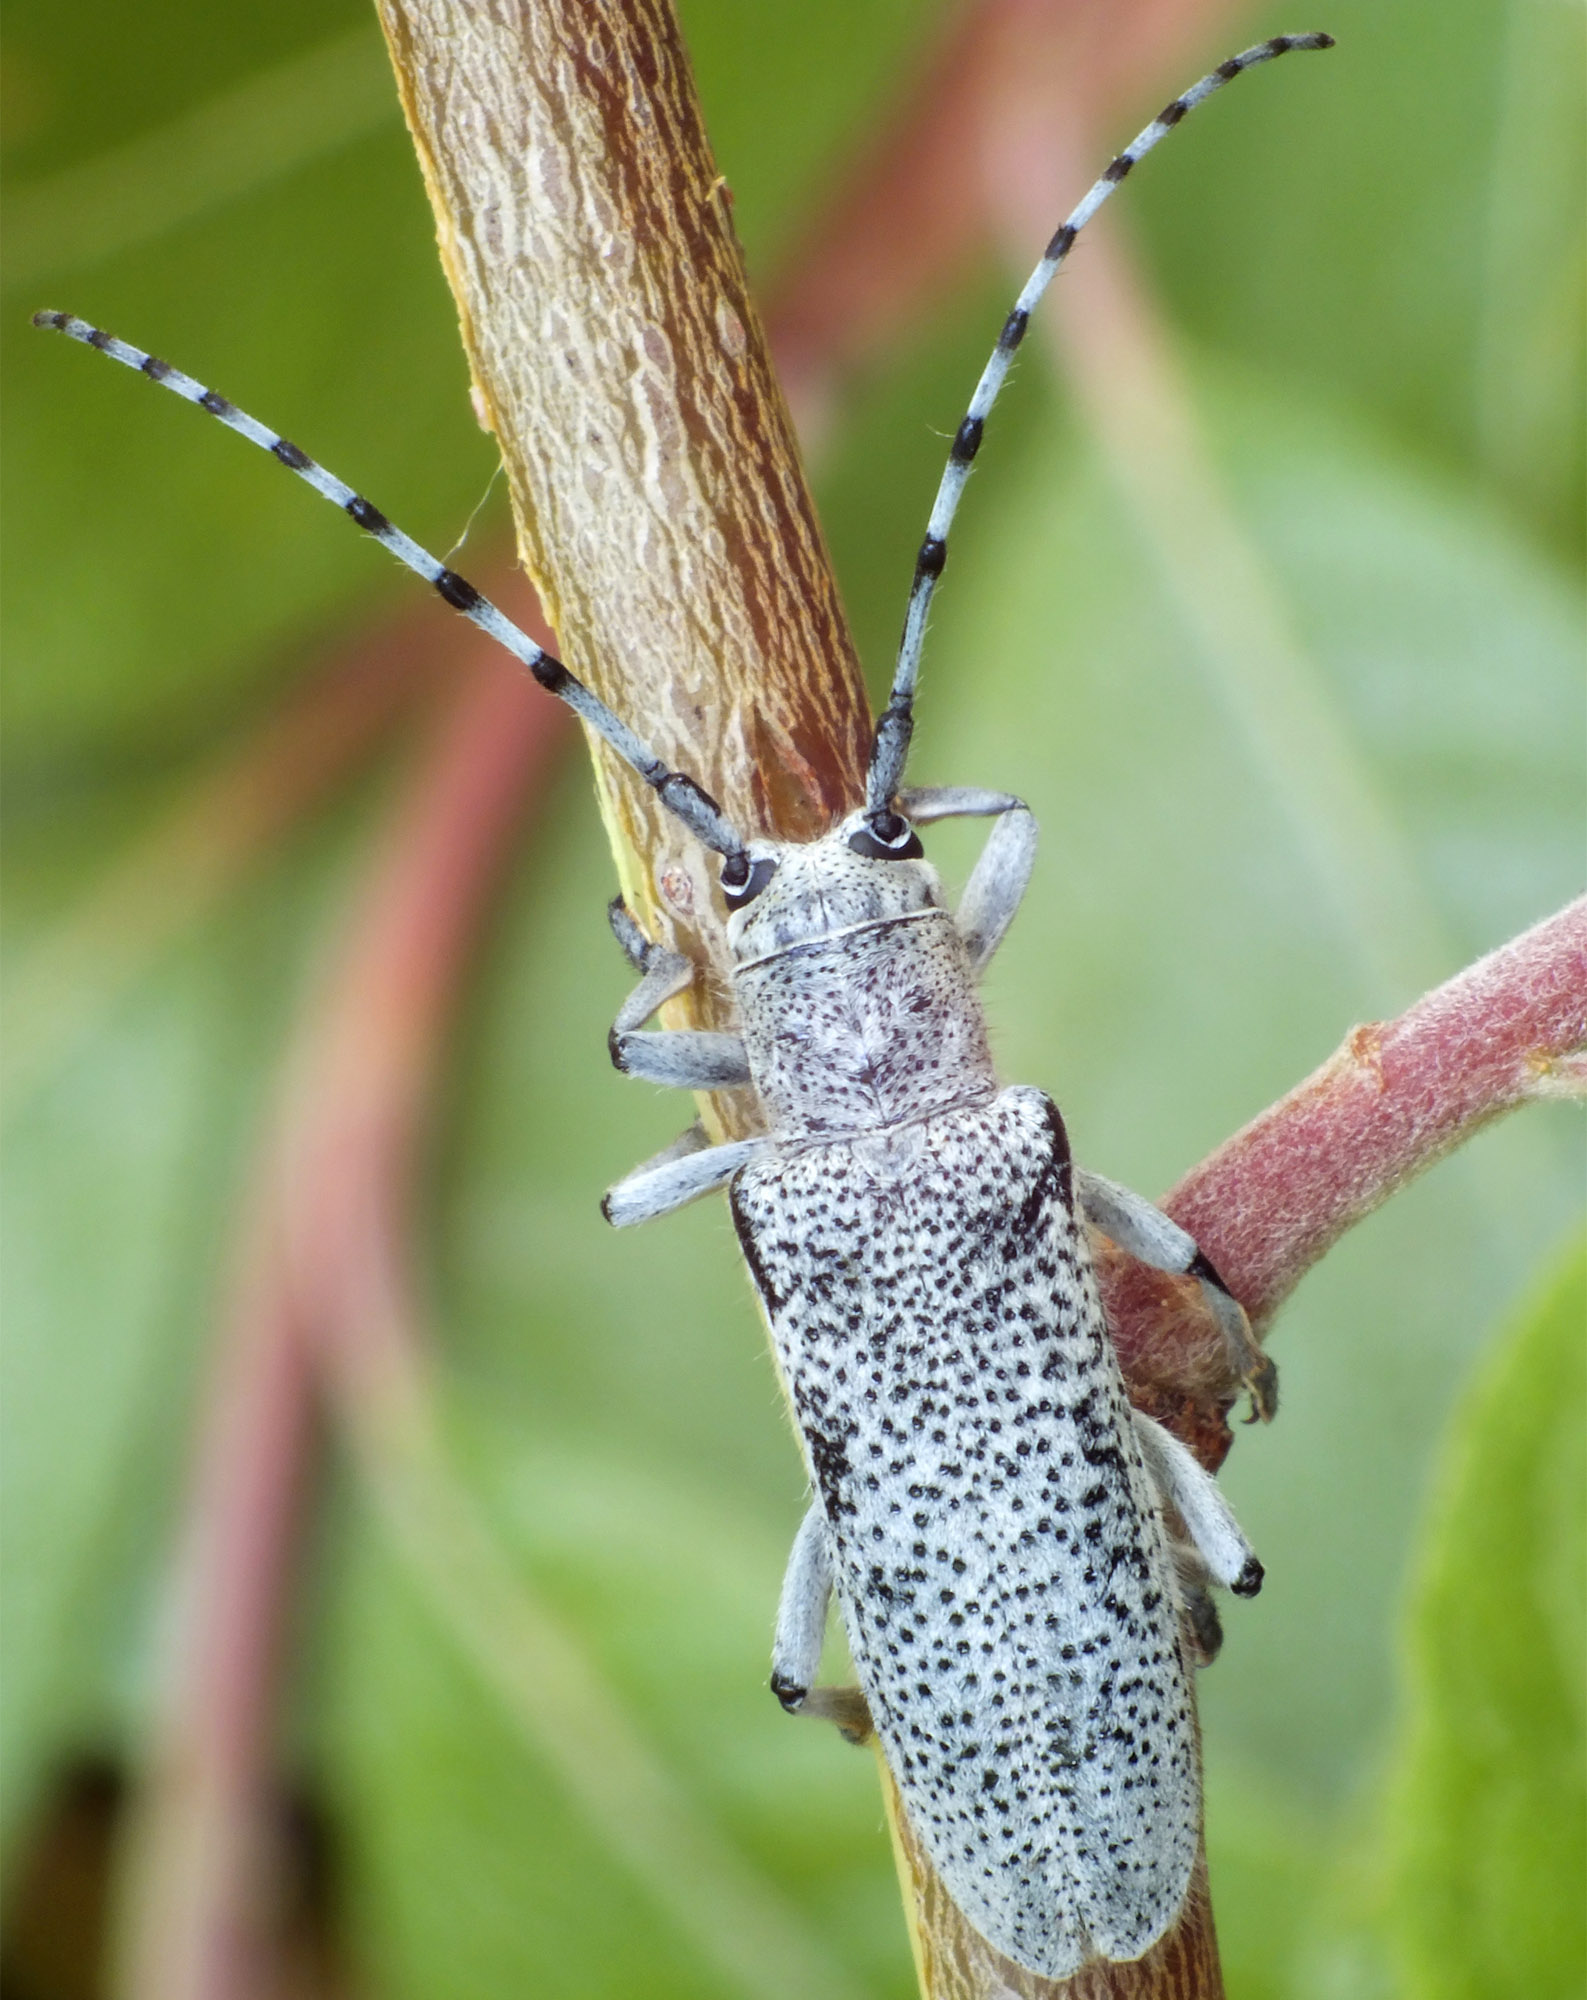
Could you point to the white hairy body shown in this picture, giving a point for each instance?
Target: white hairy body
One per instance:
(991, 1527)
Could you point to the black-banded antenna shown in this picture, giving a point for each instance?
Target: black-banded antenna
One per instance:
(688, 801)
(890, 751)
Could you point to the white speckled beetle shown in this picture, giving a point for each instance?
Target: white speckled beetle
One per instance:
(1021, 1558)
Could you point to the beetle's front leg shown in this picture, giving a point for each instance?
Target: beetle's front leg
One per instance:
(686, 1059)
(1145, 1232)
(1002, 873)
(681, 1173)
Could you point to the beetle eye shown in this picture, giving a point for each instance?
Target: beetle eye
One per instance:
(886, 837)
(743, 879)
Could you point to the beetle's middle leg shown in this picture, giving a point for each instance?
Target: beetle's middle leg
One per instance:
(1193, 1493)
(1145, 1232)
(686, 1058)
(802, 1613)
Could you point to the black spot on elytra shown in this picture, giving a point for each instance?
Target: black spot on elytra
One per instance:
(829, 1460)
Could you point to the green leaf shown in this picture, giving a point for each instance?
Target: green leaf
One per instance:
(1488, 1822)
(1403, 222)
(1263, 1856)
(123, 1175)
(1183, 958)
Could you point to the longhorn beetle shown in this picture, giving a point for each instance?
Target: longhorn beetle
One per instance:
(1021, 1558)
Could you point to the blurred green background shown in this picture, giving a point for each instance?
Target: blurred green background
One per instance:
(1372, 270)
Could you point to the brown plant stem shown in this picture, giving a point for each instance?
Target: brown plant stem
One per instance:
(661, 508)
(660, 504)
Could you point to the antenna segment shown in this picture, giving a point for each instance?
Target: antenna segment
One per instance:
(688, 801)
(891, 749)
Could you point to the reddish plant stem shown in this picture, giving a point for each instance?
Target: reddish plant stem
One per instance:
(198, 1884)
(1396, 1097)
(1389, 1103)
(196, 1902)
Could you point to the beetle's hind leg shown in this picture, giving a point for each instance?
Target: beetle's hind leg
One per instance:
(802, 1613)
(801, 1633)
(1193, 1493)
(687, 1059)
(1145, 1232)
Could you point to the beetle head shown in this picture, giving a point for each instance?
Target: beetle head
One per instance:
(869, 869)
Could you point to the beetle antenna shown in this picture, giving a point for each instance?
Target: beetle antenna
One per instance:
(689, 801)
(891, 747)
